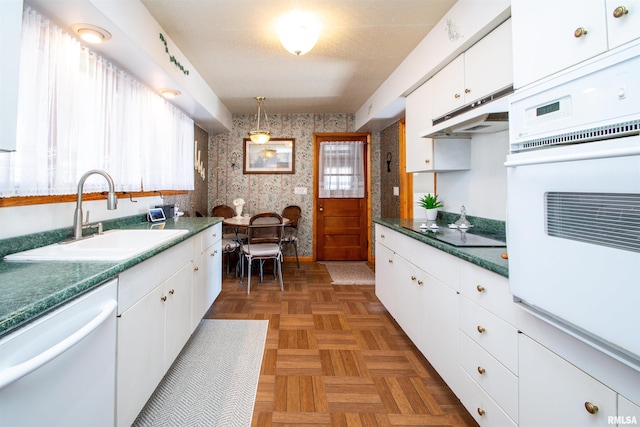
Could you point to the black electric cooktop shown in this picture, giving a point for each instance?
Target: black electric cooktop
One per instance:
(457, 237)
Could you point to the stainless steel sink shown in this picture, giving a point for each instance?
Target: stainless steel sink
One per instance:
(113, 245)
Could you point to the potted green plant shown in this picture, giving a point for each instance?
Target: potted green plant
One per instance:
(431, 204)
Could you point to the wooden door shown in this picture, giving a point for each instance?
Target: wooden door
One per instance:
(341, 224)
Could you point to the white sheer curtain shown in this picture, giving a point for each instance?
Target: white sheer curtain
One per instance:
(341, 169)
(79, 112)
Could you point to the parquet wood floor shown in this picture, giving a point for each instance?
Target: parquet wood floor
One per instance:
(335, 357)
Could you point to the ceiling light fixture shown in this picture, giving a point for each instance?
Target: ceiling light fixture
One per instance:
(257, 135)
(298, 32)
(169, 93)
(91, 33)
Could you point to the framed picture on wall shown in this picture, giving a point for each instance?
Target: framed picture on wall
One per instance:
(276, 156)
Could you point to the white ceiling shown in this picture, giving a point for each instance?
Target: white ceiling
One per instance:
(234, 47)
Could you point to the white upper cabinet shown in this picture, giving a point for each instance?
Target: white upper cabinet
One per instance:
(550, 36)
(623, 21)
(10, 36)
(483, 69)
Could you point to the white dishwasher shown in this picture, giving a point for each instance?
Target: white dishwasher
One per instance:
(59, 370)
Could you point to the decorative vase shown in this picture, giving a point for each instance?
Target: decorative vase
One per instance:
(432, 214)
(239, 210)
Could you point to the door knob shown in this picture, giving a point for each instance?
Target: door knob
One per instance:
(321, 208)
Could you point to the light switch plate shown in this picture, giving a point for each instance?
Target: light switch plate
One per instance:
(396, 191)
(300, 190)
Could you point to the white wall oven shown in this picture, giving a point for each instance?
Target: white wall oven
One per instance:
(573, 207)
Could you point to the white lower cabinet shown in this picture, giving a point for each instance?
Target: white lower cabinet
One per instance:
(150, 335)
(207, 271)
(554, 392)
(160, 302)
(463, 320)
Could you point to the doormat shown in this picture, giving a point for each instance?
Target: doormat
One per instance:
(214, 380)
(350, 273)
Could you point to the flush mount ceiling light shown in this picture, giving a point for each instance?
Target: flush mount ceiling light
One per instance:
(298, 32)
(91, 33)
(169, 93)
(257, 135)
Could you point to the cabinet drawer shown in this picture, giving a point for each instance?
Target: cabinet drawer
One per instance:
(482, 407)
(493, 334)
(491, 375)
(391, 239)
(211, 235)
(489, 290)
(139, 280)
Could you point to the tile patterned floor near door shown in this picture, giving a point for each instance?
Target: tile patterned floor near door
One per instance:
(335, 357)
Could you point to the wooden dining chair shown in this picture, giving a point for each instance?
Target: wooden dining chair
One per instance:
(264, 242)
(294, 214)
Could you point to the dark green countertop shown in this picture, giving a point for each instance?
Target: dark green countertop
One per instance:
(31, 289)
(489, 258)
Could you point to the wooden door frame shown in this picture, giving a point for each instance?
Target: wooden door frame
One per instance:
(406, 179)
(367, 188)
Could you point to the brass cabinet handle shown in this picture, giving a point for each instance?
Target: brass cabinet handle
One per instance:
(480, 288)
(480, 329)
(196, 268)
(456, 96)
(214, 253)
(420, 282)
(413, 278)
(171, 292)
(620, 11)
(163, 298)
(481, 411)
(390, 261)
(579, 32)
(467, 91)
(591, 408)
(481, 370)
(427, 160)
(382, 236)
(214, 235)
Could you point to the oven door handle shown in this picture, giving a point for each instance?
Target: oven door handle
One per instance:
(601, 154)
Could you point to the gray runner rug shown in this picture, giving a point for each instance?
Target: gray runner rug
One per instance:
(350, 273)
(214, 380)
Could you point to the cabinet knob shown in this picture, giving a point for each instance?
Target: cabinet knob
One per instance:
(467, 91)
(427, 160)
(591, 408)
(480, 288)
(480, 329)
(163, 298)
(481, 411)
(172, 291)
(413, 278)
(579, 32)
(390, 261)
(620, 11)
(196, 268)
(456, 96)
(214, 235)
(420, 282)
(382, 236)
(481, 370)
(214, 253)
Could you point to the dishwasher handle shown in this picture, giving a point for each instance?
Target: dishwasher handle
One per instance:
(14, 373)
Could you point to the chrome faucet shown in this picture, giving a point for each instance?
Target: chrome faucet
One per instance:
(112, 200)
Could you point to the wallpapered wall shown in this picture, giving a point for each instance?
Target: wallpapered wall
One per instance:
(275, 191)
(389, 148)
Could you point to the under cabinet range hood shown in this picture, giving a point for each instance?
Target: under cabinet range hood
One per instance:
(487, 115)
